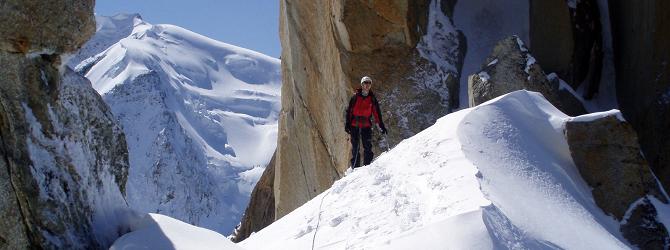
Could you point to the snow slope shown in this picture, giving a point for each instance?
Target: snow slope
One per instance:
(155, 231)
(200, 116)
(496, 176)
(108, 31)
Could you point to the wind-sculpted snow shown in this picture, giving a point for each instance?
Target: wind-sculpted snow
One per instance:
(155, 231)
(200, 116)
(526, 171)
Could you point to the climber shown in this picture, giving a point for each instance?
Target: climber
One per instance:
(362, 107)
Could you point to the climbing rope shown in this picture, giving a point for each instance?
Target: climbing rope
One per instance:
(318, 220)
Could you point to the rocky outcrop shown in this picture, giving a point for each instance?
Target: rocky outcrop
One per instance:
(642, 59)
(63, 159)
(32, 26)
(261, 210)
(412, 53)
(606, 152)
(642, 228)
(511, 67)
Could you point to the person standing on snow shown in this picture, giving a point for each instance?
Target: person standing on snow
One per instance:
(362, 107)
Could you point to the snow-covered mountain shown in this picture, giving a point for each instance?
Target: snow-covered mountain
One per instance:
(200, 116)
(496, 176)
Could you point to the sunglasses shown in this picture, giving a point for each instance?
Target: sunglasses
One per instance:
(367, 82)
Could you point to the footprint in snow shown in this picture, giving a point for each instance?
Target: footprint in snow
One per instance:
(338, 187)
(304, 231)
(337, 220)
(381, 178)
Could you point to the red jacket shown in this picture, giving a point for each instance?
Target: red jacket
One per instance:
(362, 108)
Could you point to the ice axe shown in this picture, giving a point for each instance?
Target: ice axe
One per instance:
(388, 148)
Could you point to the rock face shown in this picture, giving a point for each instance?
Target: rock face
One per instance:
(63, 159)
(607, 155)
(327, 48)
(642, 57)
(261, 210)
(29, 26)
(511, 67)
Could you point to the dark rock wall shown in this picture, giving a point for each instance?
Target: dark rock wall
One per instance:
(551, 36)
(568, 41)
(641, 32)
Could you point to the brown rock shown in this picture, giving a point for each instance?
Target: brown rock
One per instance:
(261, 210)
(642, 60)
(54, 26)
(607, 155)
(511, 67)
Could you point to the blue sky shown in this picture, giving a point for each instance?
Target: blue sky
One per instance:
(251, 24)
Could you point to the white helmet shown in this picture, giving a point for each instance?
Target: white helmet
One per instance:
(366, 79)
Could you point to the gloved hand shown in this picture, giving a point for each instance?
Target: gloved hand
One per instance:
(383, 128)
(347, 128)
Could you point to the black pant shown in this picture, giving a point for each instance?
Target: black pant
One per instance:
(356, 135)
